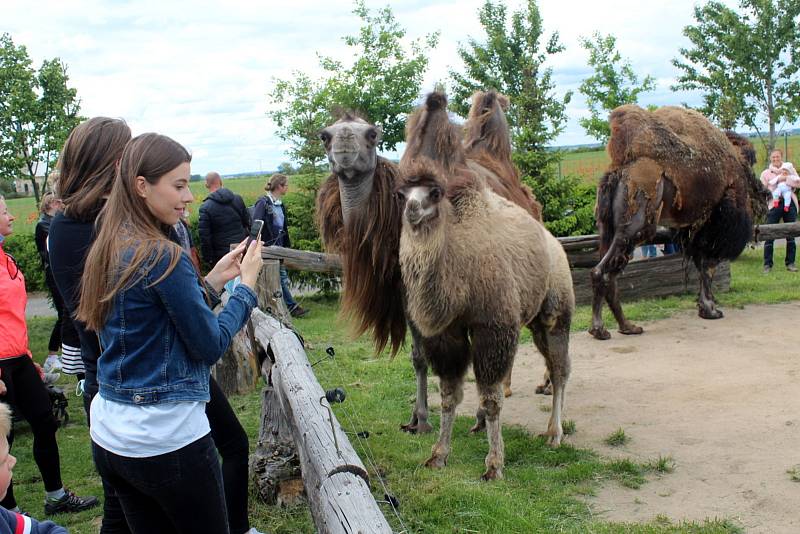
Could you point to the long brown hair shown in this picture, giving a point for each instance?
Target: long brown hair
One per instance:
(126, 223)
(87, 165)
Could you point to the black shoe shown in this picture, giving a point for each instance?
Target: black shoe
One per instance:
(298, 311)
(69, 504)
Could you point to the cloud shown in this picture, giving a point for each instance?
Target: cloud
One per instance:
(200, 71)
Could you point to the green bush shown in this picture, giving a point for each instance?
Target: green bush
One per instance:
(567, 203)
(23, 248)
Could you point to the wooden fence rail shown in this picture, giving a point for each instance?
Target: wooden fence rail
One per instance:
(335, 480)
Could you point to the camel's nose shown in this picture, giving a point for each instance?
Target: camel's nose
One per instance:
(414, 210)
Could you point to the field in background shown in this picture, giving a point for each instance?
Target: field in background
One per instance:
(588, 165)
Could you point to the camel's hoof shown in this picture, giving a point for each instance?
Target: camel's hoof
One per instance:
(600, 333)
(436, 462)
(493, 473)
(631, 330)
(544, 389)
(552, 440)
(479, 426)
(712, 314)
(418, 428)
(507, 391)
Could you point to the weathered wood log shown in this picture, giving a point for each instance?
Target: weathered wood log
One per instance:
(237, 372)
(335, 480)
(268, 290)
(274, 465)
(303, 260)
(766, 232)
(653, 277)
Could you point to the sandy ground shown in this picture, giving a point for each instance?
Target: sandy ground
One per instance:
(722, 398)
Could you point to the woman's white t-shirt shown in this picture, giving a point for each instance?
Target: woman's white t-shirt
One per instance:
(144, 431)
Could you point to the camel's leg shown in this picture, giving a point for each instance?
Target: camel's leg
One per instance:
(707, 306)
(491, 399)
(631, 228)
(493, 349)
(507, 383)
(419, 416)
(552, 340)
(480, 415)
(546, 387)
(452, 394)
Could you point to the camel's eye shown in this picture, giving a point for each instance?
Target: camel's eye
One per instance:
(401, 195)
(324, 136)
(435, 194)
(372, 134)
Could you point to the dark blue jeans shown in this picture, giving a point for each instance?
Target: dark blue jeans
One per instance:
(287, 295)
(180, 491)
(774, 216)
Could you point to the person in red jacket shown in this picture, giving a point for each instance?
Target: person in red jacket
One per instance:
(24, 387)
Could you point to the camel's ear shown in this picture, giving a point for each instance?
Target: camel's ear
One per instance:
(504, 101)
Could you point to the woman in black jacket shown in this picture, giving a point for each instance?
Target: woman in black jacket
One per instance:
(270, 209)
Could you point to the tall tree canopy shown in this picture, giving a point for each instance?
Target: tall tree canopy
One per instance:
(382, 83)
(37, 112)
(745, 62)
(613, 84)
(511, 60)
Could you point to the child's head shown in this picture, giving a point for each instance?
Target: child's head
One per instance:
(784, 171)
(7, 462)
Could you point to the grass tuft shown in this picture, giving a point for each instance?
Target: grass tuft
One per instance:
(617, 438)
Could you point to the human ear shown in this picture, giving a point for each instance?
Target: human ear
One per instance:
(141, 186)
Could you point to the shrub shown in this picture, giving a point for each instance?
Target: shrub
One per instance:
(23, 248)
(567, 203)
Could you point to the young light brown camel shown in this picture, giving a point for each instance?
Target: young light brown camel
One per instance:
(476, 268)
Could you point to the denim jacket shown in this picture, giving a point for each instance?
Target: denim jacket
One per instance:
(160, 341)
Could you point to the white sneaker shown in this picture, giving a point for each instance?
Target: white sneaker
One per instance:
(52, 363)
(253, 531)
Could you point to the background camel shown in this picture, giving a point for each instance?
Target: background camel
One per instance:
(477, 267)
(671, 167)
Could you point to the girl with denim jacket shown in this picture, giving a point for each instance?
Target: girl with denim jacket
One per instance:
(141, 294)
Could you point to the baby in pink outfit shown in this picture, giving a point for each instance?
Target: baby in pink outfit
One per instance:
(781, 188)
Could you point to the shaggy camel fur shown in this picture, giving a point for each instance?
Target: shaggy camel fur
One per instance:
(476, 268)
(486, 151)
(671, 167)
(368, 241)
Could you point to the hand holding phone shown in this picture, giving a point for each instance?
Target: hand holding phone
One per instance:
(255, 233)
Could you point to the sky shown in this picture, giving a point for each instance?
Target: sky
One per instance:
(200, 71)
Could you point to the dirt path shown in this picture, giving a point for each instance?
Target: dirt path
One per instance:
(722, 398)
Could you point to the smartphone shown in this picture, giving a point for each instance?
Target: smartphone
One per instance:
(255, 233)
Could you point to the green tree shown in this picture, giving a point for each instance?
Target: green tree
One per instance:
(37, 112)
(745, 62)
(382, 83)
(613, 84)
(301, 111)
(512, 60)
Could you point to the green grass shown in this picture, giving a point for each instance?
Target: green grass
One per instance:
(794, 473)
(544, 490)
(617, 438)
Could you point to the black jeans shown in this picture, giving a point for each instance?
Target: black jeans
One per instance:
(180, 491)
(232, 445)
(775, 215)
(55, 336)
(27, 395)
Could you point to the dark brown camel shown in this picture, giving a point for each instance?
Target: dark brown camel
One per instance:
(671, 167)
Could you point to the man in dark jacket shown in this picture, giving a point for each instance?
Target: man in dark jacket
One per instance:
(223, 220)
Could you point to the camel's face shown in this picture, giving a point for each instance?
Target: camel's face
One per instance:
(421, 203)
(351, 146)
